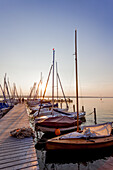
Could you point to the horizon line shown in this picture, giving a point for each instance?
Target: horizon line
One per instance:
(27, 96)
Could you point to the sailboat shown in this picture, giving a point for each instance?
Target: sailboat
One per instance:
(47, 110)
(53, 110)
(66, 112)
(89, 138)
(53, 121)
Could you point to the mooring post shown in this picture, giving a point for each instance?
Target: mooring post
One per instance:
(74, 108)
(95, 116)
(61, 105)
(82, 108)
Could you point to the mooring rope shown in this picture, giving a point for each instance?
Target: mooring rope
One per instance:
(89, 113)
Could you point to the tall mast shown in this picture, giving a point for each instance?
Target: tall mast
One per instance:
(7, 89)
(3, 93)
(4, 85)
(10, 88)
(57, 80)
(76, 80)
(53, 79)
(41, 86)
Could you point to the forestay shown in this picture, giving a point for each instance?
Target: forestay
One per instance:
(100, 130)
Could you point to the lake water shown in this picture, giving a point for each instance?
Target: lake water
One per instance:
(86, 161)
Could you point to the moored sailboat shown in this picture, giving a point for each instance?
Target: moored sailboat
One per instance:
(55, 119)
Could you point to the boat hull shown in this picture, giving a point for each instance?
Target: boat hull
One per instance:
(63, 123)
(79, 144)
(52, 129)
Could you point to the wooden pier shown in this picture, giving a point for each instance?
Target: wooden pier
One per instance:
(16, 153)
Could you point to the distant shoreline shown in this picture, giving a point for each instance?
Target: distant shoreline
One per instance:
(26, 96)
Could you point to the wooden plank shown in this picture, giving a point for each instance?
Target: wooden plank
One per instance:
(6, 156)
(108, 165)
(20, 163)
(15, 149)
(18, 158)
(16, 152)
(12, 145)
(14, 139)
(30, 166)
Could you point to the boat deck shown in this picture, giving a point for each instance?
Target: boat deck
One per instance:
(16, 153)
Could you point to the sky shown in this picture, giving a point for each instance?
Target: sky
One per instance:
(30, 29)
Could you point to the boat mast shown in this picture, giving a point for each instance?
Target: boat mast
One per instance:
(41, 85)
(57, 80)
(3, 93)
(53, 80)
(76, 80)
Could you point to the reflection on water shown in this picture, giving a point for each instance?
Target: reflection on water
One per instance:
(76, 156)
(67, 157)
(73, 160)
(81, 161)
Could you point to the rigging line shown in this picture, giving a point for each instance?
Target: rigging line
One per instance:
(45, 88)
(62, 90)
(3, 93)
(81, 92)
(89, 113)
(47, 81)
(37, 91)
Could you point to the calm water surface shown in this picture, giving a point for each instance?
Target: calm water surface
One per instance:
(86, 161)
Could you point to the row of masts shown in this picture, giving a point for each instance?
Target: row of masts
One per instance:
(9, 94)
(35, 92)
(58, 79)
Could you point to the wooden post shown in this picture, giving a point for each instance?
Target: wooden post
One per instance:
(82, 108)
(95, 116)
(74, 108)
(61, 105)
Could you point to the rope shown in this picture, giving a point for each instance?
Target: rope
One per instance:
(90, 113)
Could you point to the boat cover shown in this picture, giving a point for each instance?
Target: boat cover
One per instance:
(100, 130)
(59, 121)
(44, 111)
(71, 114)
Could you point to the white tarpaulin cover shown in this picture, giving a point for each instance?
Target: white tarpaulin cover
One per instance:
(100, 130)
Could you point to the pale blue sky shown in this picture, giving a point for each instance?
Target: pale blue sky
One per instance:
(30, 29)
